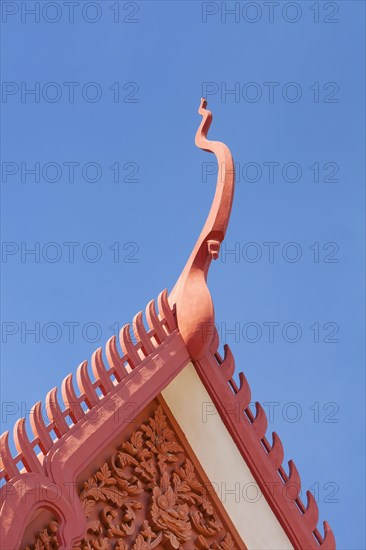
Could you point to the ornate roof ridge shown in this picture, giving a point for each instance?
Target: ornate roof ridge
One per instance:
(217, 375)
(161, 325)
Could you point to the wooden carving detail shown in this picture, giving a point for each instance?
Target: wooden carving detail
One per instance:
(147, 495)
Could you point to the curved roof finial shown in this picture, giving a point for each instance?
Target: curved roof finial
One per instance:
(194, 307)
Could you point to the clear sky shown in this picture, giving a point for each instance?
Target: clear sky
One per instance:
(109, 133)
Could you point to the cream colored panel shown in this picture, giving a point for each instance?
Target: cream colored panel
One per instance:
(248, 509)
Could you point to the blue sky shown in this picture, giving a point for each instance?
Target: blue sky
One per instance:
(117, 99)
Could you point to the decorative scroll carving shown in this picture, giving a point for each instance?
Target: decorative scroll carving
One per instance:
(147, 495)
(46, 539)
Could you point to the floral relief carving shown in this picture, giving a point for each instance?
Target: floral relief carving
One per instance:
(147, 495)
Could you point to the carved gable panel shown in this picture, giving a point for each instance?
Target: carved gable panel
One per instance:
(150, 493)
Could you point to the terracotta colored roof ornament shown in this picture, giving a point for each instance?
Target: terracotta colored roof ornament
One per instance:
(146, 450)
(193, 300)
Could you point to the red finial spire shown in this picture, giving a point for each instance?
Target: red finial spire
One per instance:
(195, 312)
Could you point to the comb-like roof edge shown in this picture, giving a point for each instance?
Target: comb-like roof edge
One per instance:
(160, 325)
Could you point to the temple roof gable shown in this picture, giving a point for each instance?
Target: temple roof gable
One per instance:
(179, 330)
